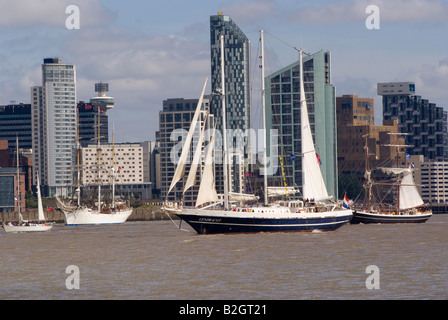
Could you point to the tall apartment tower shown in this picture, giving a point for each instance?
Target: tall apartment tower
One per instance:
(53, 108)
(424, 122)
(283, 114)
(177, 114)
(237, 88)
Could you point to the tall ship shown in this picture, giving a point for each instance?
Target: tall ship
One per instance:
(81, 213)
(212, 215)
(409, 206)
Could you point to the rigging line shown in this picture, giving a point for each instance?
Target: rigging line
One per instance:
(285, 43)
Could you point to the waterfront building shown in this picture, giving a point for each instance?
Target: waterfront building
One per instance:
(434, 181)
(237, 89)
(129, 163)
(177, 114)
(424, 123)
(15, 121)
(54, 126)
(355, 128)
(283, 114)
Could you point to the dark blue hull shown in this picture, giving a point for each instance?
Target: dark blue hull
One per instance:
(213, 225)
(360, 217)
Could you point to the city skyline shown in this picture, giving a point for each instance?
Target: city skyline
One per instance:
(148, 54)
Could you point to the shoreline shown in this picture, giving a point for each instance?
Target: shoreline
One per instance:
(138, 214)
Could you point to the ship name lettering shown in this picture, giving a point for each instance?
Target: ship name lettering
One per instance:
(209, 220)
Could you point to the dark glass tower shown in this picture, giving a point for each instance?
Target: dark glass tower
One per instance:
(237, 88)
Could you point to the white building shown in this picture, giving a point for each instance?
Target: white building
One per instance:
(54, 129)
(126, 159)
(131, 163)
(434, 180)
(395, 88)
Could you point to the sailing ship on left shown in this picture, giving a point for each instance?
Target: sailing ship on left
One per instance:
(26, 225)
(81, 214)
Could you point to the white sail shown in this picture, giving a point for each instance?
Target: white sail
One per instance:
(180, 169)
(409, 195)
(236, 196)
(40, 208)
(207, 189)
(393, 170)
(312, 180)
(281, 191)
(191, 179)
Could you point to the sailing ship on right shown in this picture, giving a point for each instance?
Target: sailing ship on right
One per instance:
(315, 212)
(409, 206)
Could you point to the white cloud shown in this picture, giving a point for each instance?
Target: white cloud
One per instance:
(243, 12)
(355, 10)
(430, 81)
(51, 13)
(142, 70)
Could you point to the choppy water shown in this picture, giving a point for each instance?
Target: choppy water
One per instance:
(155, 260)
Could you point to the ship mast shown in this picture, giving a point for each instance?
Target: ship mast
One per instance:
(224, 133)
(263, 101)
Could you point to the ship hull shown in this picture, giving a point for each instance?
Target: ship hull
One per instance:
(204, 223)
(27, 227)
(87, 216)
(369, 217)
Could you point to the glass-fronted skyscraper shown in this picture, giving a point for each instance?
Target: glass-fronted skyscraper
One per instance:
(283, 114)
(237, 88)
(54, 128)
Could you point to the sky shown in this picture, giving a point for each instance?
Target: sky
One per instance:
(149, 51)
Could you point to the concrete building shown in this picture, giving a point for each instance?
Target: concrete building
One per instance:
(54, 126)
(283, 114)
(127, 160)
(434, 182)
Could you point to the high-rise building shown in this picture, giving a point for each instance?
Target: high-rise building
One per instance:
(424, 123)
(283, 114)
(178, 114)
(54, 128)
(237, 89)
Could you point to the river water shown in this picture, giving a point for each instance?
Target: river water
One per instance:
(156, 260)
